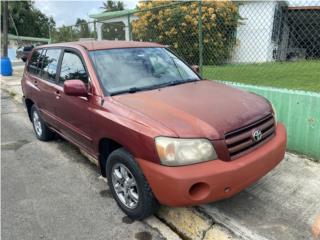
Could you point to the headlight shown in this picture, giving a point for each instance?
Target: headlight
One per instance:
(177, 151)
(274, 113)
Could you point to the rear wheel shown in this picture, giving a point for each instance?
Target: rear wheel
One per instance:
(43, 133)
(129, 186)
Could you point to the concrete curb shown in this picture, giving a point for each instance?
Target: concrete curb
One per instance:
(190, 223)
(162, 228)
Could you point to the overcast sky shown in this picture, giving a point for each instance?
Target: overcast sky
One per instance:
(66, 12)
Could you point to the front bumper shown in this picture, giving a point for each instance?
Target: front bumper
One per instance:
(213, 180)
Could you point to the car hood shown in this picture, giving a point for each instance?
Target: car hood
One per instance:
(198, 109)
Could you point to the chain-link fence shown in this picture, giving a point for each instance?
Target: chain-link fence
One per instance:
(272, 43)
(79, 32)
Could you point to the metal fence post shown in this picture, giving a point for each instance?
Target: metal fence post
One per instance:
(95, 30)
(5, 29)
(71, 33)
(50, 37)
(200, 36)
(129, 27)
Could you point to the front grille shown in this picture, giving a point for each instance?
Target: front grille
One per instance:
(240, 141)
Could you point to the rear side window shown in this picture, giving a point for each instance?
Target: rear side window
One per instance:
(72, 68)
(50, 64)
(34, 61)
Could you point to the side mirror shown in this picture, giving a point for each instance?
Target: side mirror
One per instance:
(75, 88)
(196, 68)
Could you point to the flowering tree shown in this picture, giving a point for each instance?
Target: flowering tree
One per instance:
(177, 26)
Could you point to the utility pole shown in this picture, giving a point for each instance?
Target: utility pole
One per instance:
(6, 67)
(200, 36)
(5, 29)
(50, 40)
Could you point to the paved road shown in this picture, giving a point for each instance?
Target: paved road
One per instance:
(50, 191)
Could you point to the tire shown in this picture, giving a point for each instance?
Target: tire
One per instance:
(146, 204)
(42, 132)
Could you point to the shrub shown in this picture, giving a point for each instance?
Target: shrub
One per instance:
(177, 26)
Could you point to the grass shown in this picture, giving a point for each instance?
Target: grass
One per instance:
(12, 94)
(301, 75)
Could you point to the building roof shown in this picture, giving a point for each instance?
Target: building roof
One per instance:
(24, 38)
(304, 8)
(105, 44)
(114, 14)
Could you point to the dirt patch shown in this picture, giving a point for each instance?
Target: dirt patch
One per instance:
(13, 145)
(143, 236)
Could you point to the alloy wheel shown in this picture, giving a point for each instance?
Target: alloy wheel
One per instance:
(125, 185)
(37, 123)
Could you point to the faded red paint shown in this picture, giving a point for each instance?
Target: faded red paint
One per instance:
(105, 44)
(205, 109)
(198, 109)
(75, 88)
(224, 179)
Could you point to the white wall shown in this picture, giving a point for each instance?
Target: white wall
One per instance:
(254, 43)
(123, 19)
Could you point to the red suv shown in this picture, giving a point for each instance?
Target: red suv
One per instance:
(158, 132)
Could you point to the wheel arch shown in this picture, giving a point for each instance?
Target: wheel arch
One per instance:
(106, 146)
(29, 103)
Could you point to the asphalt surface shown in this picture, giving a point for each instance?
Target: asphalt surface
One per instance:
(50, 191)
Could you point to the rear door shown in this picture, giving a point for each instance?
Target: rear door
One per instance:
(75, 112)
(32, 77)
(48, 84)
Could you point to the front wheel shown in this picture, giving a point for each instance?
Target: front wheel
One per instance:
(129, 186)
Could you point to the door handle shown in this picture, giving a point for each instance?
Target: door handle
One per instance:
(35, 82)
(57, 93)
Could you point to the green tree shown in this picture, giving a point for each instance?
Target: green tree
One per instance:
(83, 28)
(65, 34)
(28, 20)
(110, 6)
(178, 27)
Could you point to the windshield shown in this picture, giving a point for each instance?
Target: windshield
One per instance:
(136, 69)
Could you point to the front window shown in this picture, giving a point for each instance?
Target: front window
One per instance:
(72, 68)
(138, 69)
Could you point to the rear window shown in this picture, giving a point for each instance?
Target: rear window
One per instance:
(34, 61)
(27, 48)
(50, 64)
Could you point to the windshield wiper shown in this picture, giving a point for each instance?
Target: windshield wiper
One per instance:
(130, 90)
(137, 89)
(176, 82)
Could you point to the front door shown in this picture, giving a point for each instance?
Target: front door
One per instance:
(74, 112)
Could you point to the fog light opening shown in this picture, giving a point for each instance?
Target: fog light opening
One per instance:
(199, 191)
